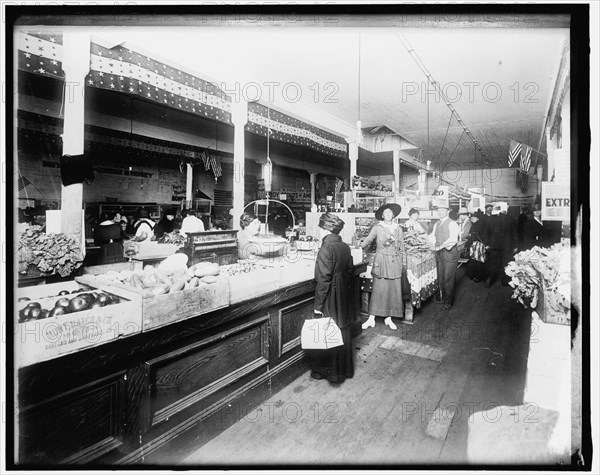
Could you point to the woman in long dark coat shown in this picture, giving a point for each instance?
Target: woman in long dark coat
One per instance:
(333, 269)
(475, 270)
(386, 296)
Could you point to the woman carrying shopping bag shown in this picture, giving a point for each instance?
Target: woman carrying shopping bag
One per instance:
(333, 269)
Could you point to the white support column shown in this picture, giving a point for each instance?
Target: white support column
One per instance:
(189, 183)
(76, 65)
(239, 117)
(396, 158)
(313, 183)
(551, 150)
(353, 156)
(422, 180)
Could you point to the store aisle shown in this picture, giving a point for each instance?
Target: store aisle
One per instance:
(410, 399)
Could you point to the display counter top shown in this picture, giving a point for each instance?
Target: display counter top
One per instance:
(137, 312)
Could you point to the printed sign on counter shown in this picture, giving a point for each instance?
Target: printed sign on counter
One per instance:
(556, 202)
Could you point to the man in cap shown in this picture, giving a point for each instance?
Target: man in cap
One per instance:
(445, 235)
(464, 222)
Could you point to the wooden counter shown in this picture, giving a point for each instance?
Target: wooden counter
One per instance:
(154, 396)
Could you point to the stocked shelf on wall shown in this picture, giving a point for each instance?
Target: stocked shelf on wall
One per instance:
(155, 210)
(368, 192)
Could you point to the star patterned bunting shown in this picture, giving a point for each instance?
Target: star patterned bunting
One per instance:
(125, 70)
(287, 129)
(41, 54)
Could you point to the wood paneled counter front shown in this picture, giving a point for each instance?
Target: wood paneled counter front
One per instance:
(153, 396)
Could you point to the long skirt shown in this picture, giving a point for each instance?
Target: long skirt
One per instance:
(386, 298)
(335, 364)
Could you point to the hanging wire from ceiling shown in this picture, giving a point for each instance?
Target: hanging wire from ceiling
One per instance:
(445, 137)
(411, 51)
(359, 136)
(453, 151)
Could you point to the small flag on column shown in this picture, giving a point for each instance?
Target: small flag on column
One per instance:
(215, 166)
(526, 158)
(514, 152)
(204, 156)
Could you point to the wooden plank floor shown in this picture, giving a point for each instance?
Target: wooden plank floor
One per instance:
(410, 399)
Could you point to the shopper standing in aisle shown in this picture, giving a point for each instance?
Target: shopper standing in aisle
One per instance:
(522, 220)
(475, 268)
(464, 222)
(386, 296)
(445, 235)
(534, 231)
(333, 270)
(501, 244)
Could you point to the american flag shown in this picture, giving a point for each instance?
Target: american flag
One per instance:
(514, 152)
(216, 166)
(522, 180)
(526, 158)
(205, 160)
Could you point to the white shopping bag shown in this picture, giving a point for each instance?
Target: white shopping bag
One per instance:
(320, 334)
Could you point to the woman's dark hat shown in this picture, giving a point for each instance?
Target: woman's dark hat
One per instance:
(478, 214)
(331, 222)
(396, 208)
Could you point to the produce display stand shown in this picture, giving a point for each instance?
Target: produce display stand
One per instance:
(422, 275)
(161, 310)
(549, 314)
(49, 338)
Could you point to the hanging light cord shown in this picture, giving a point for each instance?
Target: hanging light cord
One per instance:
(359, 77)
(445, 137)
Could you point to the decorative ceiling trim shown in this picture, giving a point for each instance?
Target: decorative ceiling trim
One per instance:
(126, 71)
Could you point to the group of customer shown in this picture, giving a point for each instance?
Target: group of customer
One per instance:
(496, 234)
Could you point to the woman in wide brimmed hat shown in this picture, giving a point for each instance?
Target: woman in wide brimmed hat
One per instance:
(333, 269)
(386, 296)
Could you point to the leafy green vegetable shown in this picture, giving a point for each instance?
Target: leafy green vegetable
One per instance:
(50, 253)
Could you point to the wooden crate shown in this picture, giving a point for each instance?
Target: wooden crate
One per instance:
(49, 338)
(548, 314)
(161, 310)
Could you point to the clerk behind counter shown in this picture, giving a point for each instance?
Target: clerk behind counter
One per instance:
(250, 227)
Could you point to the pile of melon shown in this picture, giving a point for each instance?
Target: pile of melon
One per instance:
(170, 276)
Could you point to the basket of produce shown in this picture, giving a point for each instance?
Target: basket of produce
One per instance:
(417, 243)
(171, 291)
(65, 317)
(541, 279)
